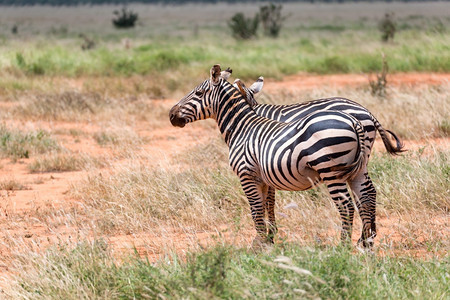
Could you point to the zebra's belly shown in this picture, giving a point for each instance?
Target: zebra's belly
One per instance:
(290, 179)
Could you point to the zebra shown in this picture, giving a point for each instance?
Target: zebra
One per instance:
(326, 146)
(362, 188)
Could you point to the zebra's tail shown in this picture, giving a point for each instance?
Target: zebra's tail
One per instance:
(391, 149)
(349, 171)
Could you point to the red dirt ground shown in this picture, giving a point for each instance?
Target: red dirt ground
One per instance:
(21, 212)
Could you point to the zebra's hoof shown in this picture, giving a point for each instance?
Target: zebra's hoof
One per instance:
(366, 243)
(260, 243)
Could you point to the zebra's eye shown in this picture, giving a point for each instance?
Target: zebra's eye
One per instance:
(199, 93)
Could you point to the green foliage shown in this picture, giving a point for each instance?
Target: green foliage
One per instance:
(271, 19)
(316, 54)
(242, 27)
(288, 272)
(17, 144)
(125, 18)
(208, 271)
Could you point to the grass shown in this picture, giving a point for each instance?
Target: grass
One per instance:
(17, 144)
(97, 103)
(416, 181)
(89, 271)
(134, 198)
(117, 136)
(12, 184)
(66, 106)
(63, 162)
(316, 53)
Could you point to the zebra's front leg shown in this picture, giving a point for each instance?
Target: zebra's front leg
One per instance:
(341, 197)
(256, 194)
(270, 209)
(365, 197)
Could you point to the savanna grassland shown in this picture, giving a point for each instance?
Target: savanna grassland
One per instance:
(101, 198)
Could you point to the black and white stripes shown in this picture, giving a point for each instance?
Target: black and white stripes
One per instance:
(324, 146)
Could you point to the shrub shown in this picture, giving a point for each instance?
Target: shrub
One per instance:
(125, 18)
(378, 87)
(242, 27)
(15, 29)
(12, 184)
(270, 16)
(387, 27)
(88, 43)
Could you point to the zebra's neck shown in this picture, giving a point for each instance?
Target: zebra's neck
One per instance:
(233, 113)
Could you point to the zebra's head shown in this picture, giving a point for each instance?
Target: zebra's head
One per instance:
(200, 102)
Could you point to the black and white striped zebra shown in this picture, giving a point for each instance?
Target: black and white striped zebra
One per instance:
(363, 189)
(323, 147)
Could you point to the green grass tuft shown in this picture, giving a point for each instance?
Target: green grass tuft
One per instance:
(17, 144)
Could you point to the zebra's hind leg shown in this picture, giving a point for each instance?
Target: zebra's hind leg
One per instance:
(269, 204)
(341, 197)
(365, 197)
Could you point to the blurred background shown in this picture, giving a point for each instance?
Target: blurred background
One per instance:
(175, 42)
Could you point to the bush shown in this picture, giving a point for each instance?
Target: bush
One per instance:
(387, 27)
(125, 18)
(378, 87)
(270, 16)
(242, 27)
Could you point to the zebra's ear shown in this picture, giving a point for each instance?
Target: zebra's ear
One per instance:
(226, 74)
(257, 86)
(215, 74)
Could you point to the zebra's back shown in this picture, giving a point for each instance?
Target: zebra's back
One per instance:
(292, 112)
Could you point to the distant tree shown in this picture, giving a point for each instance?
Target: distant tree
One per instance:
(125, 18)
(271, 19)
(242, 27)
(387, 27)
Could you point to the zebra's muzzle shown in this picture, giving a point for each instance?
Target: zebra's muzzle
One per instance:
(177, 122)
(175, 119)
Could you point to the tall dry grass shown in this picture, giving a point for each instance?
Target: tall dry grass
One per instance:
(411, 112)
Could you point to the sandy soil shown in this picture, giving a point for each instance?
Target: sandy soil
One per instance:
(33, 218)
(307, 81)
